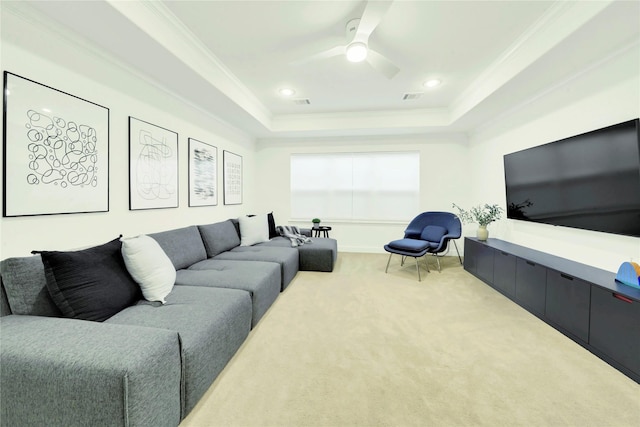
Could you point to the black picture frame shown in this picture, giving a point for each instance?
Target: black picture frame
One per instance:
(203, 174)
(55, 151)
(232, 177)
(153, 166)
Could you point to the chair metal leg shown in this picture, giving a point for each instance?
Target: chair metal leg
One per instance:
(386, 270)
(388, 261)
(438, 261)
(459, 258)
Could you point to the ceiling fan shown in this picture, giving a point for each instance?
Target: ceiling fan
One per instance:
(357, 47)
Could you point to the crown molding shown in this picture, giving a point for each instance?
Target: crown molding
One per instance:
(30, 15)
(157, 21)
(372, 120)
(555, 25)
(628, 51)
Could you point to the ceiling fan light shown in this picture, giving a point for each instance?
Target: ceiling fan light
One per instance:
(357, 52)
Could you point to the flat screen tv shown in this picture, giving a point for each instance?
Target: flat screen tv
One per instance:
(589, 181)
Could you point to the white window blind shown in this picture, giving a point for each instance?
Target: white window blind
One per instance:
(355, 186)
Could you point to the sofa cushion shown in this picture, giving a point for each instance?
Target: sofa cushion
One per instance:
(149, 266)
(91, 284)
(409, 245)
(212, 324)
(433, 233)
(288, 258)
(320, 255)
(26, 287)
(261, 279)
(67, 372)
(183, 246)
(253, 229)
(219, 237)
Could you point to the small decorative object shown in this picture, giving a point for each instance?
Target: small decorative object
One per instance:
(316, 222)
(153, 166)
(56, 151)
(483, 215)
(232, 168)
(629, 274)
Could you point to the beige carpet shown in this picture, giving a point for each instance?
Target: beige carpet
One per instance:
(358, 347)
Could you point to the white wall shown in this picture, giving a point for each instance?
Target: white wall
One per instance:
(597, 98)
(454, 168)
(443, 162)
(50, 58)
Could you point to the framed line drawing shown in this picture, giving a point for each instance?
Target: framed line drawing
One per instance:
(203, 174)
(232, 167)
(56, 151)
(153, 166)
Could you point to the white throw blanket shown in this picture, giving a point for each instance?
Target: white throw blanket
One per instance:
(293, 233)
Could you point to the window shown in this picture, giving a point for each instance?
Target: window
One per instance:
(355, 186)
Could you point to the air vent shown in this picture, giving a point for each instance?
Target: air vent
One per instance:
(302, 101)
(410, 96)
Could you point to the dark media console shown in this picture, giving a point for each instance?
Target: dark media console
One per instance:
(584, 303)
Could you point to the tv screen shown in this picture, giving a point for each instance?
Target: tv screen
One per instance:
(589, 181)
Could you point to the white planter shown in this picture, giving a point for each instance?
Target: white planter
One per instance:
(483, 232)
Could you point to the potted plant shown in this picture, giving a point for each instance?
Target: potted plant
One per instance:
(483, 215)
(316, 222)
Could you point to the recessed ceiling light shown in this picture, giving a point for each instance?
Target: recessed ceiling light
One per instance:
(432, 83)
(285, 91)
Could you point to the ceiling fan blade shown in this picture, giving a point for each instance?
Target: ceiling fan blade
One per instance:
(371, 17)
(382, 64)
(334, 51)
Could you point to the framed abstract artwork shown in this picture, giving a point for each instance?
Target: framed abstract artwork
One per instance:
(56, 151)
(153, 166)
(203, 174)
(232, 167)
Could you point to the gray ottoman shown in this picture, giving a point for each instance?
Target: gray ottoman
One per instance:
(320, 255)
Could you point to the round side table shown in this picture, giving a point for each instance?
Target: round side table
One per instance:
(322, 230)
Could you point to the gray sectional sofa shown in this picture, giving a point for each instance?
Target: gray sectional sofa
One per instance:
(150, 363)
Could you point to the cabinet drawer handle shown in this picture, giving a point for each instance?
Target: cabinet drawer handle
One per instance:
(504, 253)
(621, 298)
(566, 277)
(533, 264)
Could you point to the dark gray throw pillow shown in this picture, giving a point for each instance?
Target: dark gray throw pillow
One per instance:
(90, 284)
(272, 226)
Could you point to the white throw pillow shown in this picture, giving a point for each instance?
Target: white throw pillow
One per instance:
(253, 229)
(149, 266)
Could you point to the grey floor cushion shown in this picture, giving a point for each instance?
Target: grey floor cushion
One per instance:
(319, 255)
